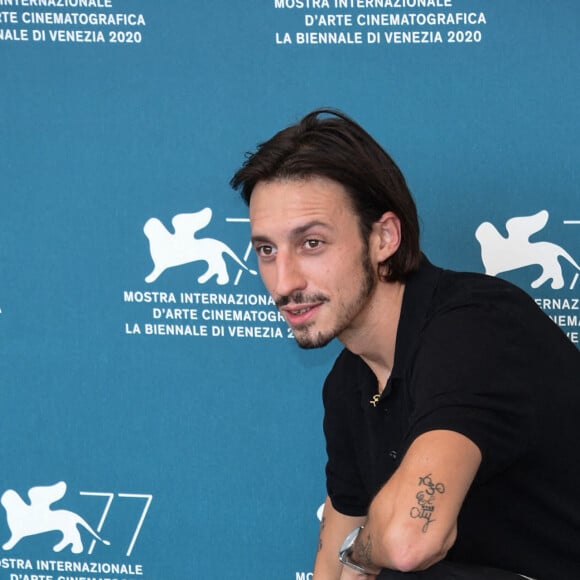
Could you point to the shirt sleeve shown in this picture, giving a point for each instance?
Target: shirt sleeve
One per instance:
(472, 375)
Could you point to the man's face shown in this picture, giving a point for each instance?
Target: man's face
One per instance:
(311, 257)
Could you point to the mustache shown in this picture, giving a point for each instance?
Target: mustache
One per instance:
(299, 298)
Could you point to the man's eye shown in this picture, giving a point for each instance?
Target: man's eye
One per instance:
(265, 251)
(313, 244)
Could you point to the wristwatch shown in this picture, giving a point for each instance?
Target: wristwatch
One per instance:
(346, 550)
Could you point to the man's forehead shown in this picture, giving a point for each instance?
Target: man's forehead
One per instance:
(284, 209)
(300, 193)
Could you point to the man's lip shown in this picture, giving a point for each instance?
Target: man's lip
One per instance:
(299, 313)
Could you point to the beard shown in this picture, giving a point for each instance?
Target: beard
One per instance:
(306, 335)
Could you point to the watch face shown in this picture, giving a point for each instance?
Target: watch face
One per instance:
(349, 540)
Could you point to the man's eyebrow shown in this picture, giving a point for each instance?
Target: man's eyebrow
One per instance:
(260, 239)
(294, 233)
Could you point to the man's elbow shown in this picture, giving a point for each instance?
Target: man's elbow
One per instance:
(411, 552)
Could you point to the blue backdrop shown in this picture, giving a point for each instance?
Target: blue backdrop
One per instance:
(183, 423)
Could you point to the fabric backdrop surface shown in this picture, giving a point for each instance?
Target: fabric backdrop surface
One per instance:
(158, 420)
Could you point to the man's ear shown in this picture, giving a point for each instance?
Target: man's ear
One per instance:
(386, 236)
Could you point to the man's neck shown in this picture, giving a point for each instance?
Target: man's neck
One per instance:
(374, 335)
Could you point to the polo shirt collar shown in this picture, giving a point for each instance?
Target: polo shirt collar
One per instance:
(419, 290)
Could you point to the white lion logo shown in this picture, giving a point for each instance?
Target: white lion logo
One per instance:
(502, 254)
(37, 518)
(182, 247)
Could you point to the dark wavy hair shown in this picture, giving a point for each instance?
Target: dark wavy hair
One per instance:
(328, 143)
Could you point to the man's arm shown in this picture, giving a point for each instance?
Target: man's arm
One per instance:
(412, 521)
(334, 528)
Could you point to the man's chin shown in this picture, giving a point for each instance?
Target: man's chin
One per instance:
(307, 341)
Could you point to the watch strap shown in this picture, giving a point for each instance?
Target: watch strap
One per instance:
(346, 551)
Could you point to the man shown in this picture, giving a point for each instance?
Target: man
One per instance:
(451, 416)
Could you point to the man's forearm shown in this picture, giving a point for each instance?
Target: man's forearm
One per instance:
(334, 527)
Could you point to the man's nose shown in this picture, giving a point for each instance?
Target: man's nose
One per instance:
(289, 275)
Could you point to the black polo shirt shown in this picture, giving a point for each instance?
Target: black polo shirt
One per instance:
(474, 354)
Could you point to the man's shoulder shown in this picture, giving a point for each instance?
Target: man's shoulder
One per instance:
(471, 309)
(441, 286)
(438, 294)
(461, 305)
(474, 288)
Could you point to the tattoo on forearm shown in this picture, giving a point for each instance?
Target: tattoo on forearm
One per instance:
(425, 508)
(363, 549)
